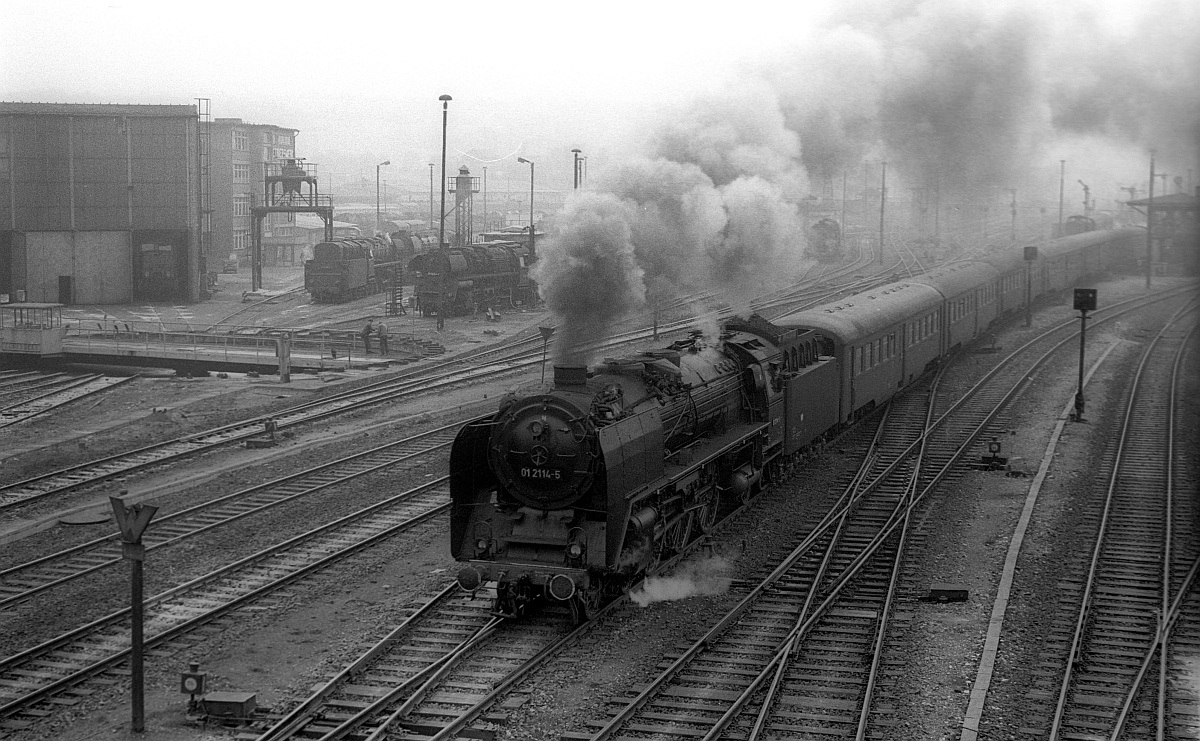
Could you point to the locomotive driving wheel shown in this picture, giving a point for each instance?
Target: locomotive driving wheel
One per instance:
(679, 532)
(705, 517)
(585, 602)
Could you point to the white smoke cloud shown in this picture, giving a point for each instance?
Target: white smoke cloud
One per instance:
(704, 576)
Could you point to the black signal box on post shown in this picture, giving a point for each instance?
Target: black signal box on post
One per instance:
(1030, 252)
(193, 682)
(1085, 299)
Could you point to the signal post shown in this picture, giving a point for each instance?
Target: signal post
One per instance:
(1085, 301)
(132, 522)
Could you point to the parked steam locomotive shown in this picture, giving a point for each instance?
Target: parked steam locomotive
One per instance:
(347, 269)
(464, 280)
(573, 492)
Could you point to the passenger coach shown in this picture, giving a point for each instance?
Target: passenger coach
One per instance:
(884, 339)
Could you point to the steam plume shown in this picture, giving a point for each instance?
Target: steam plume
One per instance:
(588, 273)
(972, 98)
(698, 577)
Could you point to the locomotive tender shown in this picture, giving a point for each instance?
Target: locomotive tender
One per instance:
(573, 492)
(347, 269)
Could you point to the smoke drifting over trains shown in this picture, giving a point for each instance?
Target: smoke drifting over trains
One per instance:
(967, 98)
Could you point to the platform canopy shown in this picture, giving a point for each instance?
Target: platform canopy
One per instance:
(1171, 202)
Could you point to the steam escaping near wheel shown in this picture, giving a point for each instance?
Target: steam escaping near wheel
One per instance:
(698, 577)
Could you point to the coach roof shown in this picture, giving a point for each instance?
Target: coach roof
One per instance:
(952, 280)
(867, 314)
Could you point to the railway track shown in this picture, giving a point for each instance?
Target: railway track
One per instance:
(446, 667)
(22, 582)
(51, 393)
(1117, 672)
(433, 675)
(121, 465)
(506, 358)
(751, 674)
(34, 677)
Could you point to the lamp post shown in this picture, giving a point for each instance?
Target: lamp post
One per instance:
(377, 223)
(842, 230)
(442, 216)
(532, 250)
(441, 312)
(1150, 224)
(430, 195)
(576, 152)
(1013, 206)
(882, 205)
(1062, 175)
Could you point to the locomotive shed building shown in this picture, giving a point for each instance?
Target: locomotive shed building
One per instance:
(98, 203)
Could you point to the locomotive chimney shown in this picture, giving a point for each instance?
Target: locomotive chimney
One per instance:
(570, 375)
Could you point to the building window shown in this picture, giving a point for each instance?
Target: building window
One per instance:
(241, 140)
(241, 239)
(241, 205)
(283, 153)
(241, 173)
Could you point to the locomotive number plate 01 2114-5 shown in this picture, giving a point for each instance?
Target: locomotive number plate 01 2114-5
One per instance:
(548, 474)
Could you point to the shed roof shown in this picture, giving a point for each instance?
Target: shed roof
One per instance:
(98, 109)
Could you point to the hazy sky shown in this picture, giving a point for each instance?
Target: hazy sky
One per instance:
(366, 76)
(361, 79)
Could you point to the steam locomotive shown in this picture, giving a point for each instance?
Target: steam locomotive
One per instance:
(572, 492)
(347, 269)
(467, 279)
(825, 241)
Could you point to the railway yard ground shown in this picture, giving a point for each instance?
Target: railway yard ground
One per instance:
(280, 648)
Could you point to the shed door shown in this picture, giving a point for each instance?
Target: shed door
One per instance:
(66, 289)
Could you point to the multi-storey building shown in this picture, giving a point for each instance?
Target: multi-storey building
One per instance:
(99, 203)
(240, 151)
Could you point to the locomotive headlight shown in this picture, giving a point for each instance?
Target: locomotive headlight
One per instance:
(574, 550)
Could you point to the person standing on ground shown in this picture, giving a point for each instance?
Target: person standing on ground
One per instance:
(366, 337)
(383, 338)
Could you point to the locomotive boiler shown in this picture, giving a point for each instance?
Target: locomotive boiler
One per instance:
(468, 279)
